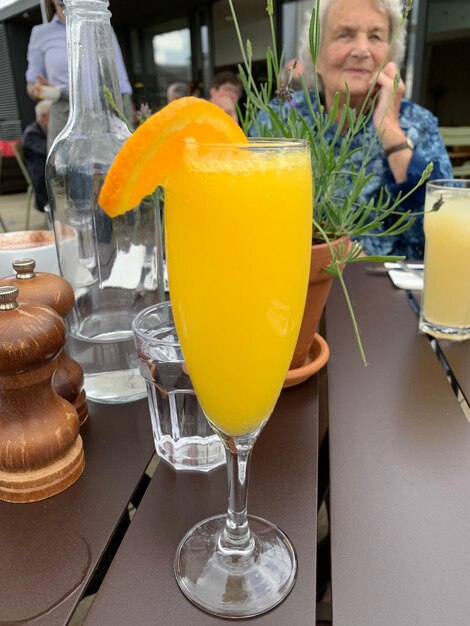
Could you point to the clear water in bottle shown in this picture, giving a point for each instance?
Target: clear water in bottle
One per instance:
(115, 266)
(104, 346)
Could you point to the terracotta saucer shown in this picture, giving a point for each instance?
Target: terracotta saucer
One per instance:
(317, 358)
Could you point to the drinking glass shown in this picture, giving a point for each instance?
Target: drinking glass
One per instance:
(183, 438)
(445, 312)
(238, 233)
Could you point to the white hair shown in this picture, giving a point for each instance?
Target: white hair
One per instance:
(394, 10)
(42, 108)
(177, 90)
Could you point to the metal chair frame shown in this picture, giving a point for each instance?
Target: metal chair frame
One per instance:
(19, 155)
(2, 223)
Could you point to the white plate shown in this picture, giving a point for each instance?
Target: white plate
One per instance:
(405, 280)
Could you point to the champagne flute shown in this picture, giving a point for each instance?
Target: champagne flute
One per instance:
(238, 237)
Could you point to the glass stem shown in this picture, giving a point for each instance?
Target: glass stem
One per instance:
(236, 536)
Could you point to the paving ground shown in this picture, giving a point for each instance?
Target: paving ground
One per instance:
(13, 213)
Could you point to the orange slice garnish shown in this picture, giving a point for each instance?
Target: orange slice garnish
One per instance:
(156, 146)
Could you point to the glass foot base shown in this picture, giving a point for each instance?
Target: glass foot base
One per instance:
(459, 333)
(235, 586)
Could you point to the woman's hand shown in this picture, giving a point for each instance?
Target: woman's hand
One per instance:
(387, 122)
(387, 107)
(35, 89)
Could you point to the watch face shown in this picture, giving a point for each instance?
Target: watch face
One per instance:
(410, 143)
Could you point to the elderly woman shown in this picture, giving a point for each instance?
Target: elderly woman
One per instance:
(355, 42)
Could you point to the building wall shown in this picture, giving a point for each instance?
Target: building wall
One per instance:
(18, 39)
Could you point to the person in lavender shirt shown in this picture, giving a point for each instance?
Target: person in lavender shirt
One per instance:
(354, 43)
(47, 68)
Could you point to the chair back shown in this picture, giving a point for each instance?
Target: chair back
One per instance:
(457, 141)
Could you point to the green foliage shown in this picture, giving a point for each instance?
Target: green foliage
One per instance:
(116, 109)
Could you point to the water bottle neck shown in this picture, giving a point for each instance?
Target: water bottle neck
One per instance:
(91, 61)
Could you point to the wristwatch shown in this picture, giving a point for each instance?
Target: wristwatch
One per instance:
(403, 145)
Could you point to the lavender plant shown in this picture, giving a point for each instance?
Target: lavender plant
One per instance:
(339, 208)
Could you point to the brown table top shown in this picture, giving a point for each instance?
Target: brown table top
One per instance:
(400, 468)
(140, 587)
(50, 549)
(457, 355)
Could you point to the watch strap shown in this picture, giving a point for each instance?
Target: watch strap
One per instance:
(403, 145)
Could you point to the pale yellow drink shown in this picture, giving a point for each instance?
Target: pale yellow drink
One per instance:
(238, 239)
(446, 300)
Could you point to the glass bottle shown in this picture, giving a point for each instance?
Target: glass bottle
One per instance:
(115, 266)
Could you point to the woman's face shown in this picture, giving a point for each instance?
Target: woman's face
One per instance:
(354, 42)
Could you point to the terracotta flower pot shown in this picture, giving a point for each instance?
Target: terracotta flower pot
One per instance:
(319, 286)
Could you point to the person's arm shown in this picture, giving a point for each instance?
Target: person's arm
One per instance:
(428, 148)
(404, 163)
(35, 142)
(36, 71)
(35, 89)
(32, 91)
(387, 122)
(399, 160)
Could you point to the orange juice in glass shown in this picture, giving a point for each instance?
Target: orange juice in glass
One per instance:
(445, 312)
(238, 238)
(238, 233)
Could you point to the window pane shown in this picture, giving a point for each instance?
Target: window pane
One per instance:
(173, 50)
(254, 25)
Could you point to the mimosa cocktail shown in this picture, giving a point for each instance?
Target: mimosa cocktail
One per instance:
(238, 239)
(446, 300)
(238, 228)
(239, 233)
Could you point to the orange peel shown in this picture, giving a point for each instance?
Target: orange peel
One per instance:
(156, 146)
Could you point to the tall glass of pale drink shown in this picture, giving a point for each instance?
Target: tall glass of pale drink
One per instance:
(445, 311)
(238, 236)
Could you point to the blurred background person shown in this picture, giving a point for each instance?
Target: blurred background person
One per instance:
(196, 88)
(34, 142)
(177, 90)
(226, 91)
(47, 67)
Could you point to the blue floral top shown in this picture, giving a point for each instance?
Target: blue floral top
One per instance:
(421, 127)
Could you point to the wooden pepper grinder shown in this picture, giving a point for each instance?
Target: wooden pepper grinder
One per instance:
(55, 292)
(41, 451)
